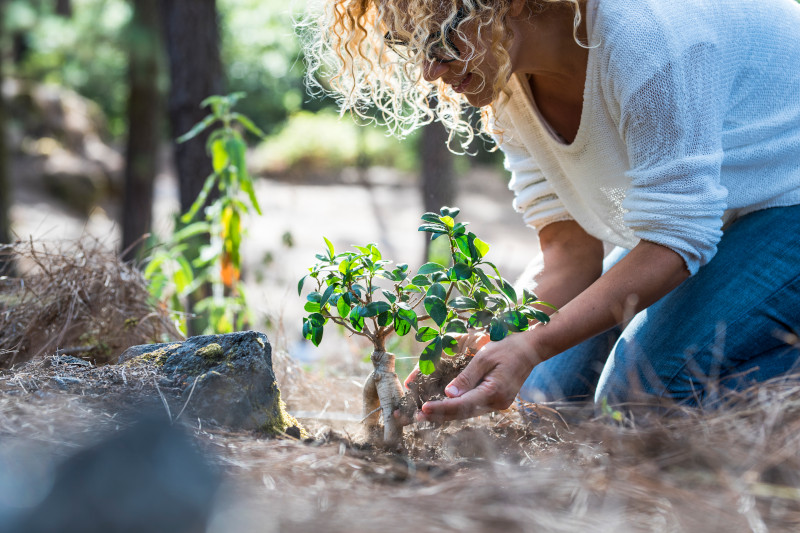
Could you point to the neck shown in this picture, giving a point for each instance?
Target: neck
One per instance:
(544, 44)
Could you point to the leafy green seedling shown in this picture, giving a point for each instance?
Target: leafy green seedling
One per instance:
(374, 298)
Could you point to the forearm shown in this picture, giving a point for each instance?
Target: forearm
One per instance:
(571, 261)
(641, 278)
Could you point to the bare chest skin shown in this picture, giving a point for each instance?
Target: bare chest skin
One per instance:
(560, 105)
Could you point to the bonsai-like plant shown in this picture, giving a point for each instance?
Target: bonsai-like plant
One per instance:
(440, 302)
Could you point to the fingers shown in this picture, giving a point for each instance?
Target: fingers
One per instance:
(411, 377)
(471, 403)
(470, 377)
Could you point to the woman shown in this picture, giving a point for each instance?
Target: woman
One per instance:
(669, 129)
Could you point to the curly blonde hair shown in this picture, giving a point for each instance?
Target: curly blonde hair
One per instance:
(346, 49)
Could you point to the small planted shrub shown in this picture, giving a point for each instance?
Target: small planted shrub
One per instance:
(372, 297)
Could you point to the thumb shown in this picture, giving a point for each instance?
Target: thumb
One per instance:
(469, 378)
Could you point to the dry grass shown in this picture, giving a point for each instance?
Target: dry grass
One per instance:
(736, 469)
(77, 299)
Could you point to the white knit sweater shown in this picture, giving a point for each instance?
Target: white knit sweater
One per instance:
(691, 118)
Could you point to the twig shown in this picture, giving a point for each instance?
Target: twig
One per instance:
(370, 414)
(194, 383)
(163, 399)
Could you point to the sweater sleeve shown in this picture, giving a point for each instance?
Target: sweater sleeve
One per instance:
(668, 91)
(534, 197)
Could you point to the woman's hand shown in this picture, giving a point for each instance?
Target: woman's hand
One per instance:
(490, 382)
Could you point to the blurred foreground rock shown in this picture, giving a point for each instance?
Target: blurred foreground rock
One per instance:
(227, 378)
(149, 477)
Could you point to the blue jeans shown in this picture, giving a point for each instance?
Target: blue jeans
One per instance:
(735, 322)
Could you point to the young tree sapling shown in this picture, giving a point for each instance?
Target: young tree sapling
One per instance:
(440, 302)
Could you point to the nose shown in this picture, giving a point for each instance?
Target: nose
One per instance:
(433, 69)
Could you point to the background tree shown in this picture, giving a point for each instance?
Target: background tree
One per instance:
(5, 189)
(145, 109)
(64, 8)
(437, 176)
(195, 69)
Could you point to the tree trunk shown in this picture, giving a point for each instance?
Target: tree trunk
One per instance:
(195, 66)
(437, 179)
(144, 124)
(64, 8)
(192, 41)
(5, 185)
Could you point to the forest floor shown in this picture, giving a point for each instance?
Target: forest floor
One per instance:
(735, 469)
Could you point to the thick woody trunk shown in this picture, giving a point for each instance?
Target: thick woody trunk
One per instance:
(382, 395)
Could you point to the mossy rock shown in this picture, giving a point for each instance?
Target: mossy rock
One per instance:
(227, 378)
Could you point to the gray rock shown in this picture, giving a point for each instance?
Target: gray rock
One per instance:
(227, 378)
(149, 477)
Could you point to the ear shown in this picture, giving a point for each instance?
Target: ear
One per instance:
(516, 7)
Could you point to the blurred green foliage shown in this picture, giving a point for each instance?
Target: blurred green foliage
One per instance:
(321, 142)
(87, 53)
(84, 53)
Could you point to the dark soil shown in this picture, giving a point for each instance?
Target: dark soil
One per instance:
(431, 387)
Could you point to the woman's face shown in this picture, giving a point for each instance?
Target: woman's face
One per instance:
(473, 72)
(460, 55)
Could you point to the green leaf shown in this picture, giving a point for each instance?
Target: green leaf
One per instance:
(462, 302)
(461, 271)
(342, 307)
(481, 246)
(440, 276)
(330, 247)
(197, 129)
(404, 319)
(300, 285)
(480, 319)
(327, 295)
(420, 280)
(456, 326)
(392, 297)
(427, 367)
(515, 320)
(449, 345)
(424, 334)
(535, 314)
(219, 156)
(430, 356)
(449, 211)
(312, 307)
(387, 275)
(356, 319)
(487, 283)
(507, 289)
(200, 201)
(430, 268)
(375, 308)
(448, 221)
(497, 330)
(528, 296)
(437, 289)
(317, 320)
(433, 218)
(436, 308)
(432, 228)
(248, 124)
(314, 297)
(191, 230)
(384, 319)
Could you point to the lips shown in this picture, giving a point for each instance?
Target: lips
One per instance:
(462, 85)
